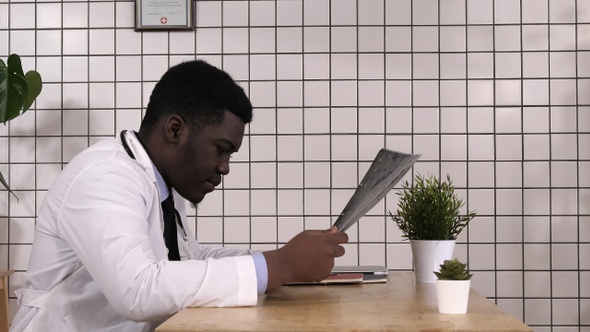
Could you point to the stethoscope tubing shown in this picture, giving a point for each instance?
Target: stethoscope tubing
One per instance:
(132, 155)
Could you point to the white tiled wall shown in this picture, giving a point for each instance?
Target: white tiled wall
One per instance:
(493, 92)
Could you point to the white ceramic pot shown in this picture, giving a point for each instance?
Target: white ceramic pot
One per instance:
(452, 296)
(428, 255)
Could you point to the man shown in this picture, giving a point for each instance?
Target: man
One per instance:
(100, 261)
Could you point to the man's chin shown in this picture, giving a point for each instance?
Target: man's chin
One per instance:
(194, 197)
(195, 202)
(198, 199)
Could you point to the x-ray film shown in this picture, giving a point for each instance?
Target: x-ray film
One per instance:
(385, 172)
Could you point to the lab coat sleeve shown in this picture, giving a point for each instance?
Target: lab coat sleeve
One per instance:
(108, 217)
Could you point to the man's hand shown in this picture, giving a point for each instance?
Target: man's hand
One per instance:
(309, 256)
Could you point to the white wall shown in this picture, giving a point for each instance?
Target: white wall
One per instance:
(492, 92)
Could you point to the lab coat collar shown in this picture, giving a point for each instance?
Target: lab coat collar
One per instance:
(144, 160)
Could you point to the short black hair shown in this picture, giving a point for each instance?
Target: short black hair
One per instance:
(196, 90)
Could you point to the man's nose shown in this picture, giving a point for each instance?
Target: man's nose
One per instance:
(223, 167)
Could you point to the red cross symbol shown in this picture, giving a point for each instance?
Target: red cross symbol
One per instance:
(163, 20)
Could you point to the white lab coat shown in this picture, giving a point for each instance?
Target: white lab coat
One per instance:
(99, 261)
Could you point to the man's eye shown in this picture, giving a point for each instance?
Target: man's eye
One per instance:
(223, 151)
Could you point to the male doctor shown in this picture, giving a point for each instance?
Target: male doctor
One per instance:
(101, 259)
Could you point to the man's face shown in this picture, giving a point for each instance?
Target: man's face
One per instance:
(204, 157)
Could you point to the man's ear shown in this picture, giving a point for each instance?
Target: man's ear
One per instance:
(175, 129)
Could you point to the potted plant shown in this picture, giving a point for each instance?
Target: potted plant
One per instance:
(18, 91)
(429, 216)
(452, 287)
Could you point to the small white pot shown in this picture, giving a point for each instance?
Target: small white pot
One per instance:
(428, 255)
(452, 296)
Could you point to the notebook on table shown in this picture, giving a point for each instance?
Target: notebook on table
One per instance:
(352, 275)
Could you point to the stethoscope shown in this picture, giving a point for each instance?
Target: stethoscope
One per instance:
(132, 155)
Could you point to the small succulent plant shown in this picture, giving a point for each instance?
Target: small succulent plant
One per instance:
(453, 270)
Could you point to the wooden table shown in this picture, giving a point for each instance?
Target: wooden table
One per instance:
(398, 305)
(4, 316)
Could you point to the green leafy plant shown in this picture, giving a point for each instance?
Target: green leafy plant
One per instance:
(18, 91)
(429, 209)
(453, 270)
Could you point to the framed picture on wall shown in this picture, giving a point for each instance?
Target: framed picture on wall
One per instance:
(163, 15)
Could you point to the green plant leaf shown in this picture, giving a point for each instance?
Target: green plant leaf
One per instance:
(18, 91)
(3, 91)
(5, 184)
(453, 269)
(429, 209)
(34, 85)
(14, 88)
(15, 65)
